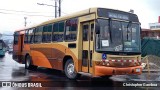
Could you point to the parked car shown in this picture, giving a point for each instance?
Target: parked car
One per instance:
(10, 50)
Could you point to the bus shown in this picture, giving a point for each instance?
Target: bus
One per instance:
(97, 42)
(2, 48)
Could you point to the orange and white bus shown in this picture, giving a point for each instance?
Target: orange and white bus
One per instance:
(96, 41)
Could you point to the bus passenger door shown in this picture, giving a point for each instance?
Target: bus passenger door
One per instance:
(87, 46)
(20, 47)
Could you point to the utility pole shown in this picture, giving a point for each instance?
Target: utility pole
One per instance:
(25, 21)
(55, 8)
(59, 8)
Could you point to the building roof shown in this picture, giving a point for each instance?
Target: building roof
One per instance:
(144, 29)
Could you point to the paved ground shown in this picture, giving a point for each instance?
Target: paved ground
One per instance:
(12, 71)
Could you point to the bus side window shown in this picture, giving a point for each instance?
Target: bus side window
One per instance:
(49, 36)
(71, 30)
(55, 32)
(38, 34)
(44, 36)
(85, 32)
(92, 29)
(58, 31)
(26, 36)
(61, 31)
(30, 36)
(16, 38)
(47, 32)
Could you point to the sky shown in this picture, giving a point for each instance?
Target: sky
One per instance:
(12, 12)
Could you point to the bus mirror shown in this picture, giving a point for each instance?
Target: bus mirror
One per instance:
(97, 28)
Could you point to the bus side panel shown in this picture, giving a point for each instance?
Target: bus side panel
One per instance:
(39, 58)
(26, 50)
(51, 56)
(59, 51)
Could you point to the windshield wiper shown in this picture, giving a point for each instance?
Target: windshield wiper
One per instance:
(129, 25)
(110, 29)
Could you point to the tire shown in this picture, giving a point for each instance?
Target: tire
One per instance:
(28, 63)
(70, 70)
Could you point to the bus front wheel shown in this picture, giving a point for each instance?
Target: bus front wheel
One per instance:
(28, 63)
(70, 70)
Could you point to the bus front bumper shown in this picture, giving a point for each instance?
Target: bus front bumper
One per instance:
(103, 70)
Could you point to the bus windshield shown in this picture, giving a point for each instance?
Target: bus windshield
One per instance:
(118, 36)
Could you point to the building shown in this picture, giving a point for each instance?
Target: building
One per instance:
(153, 32)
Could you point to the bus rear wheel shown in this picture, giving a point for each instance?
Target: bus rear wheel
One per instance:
(70, 70)
(28, 63)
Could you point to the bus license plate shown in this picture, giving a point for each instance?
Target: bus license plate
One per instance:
(137, 70)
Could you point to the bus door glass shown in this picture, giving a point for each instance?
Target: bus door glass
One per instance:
(87, 46)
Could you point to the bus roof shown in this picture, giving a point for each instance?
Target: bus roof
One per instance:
(76, 14)
(80, 13)
(22, 29)
(87, 11)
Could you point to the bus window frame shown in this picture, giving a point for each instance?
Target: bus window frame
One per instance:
(41, 33)
(16, 34)
(76, 19)
(32, 34)
(47, 25)
(63, 21)
(26, 36)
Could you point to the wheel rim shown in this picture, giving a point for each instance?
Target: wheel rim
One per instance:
(70, 69)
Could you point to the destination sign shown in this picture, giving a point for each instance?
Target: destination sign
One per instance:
(118, 16)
